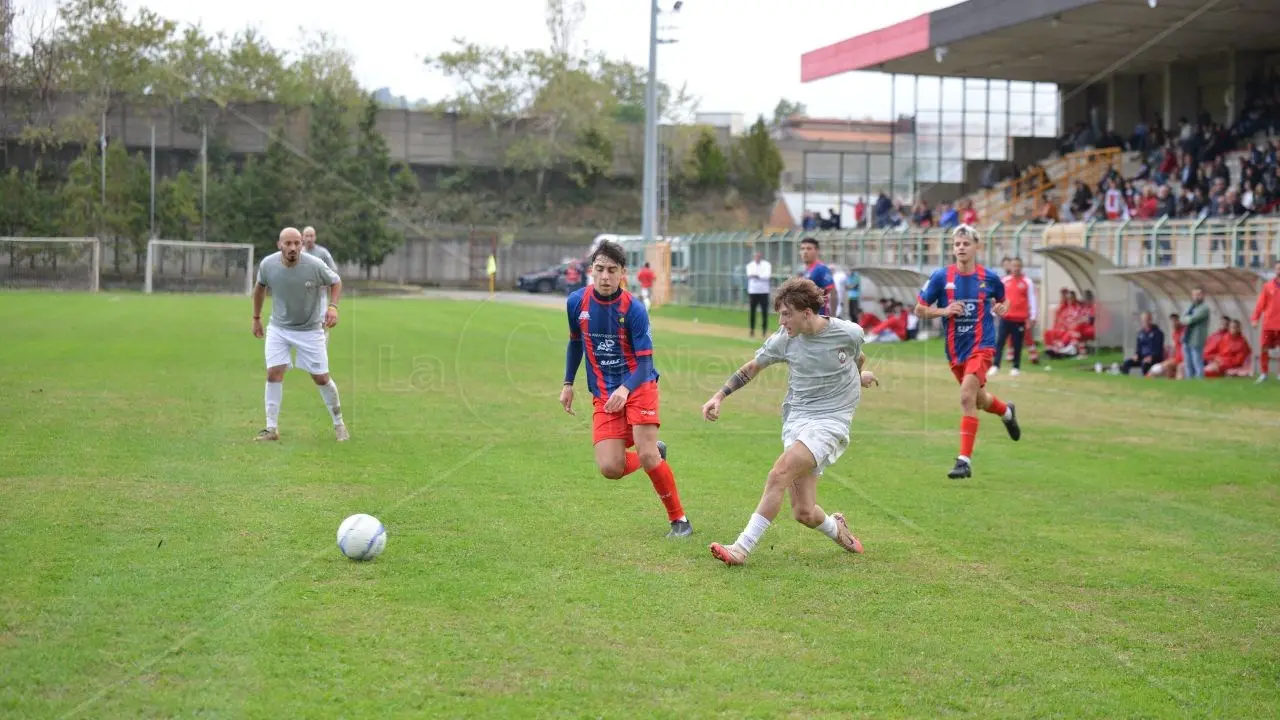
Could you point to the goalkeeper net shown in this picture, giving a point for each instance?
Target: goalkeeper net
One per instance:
(199, 267)
(50, 263)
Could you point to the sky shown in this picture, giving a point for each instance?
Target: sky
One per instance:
(736, 55)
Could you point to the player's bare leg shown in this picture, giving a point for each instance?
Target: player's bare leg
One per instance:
(329, 393)
(614, 460)
(274, 396)
(653, 458)
(793, 463)
(807, 512)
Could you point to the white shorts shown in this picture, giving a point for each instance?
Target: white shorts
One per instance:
(311, 346)
(826, 439)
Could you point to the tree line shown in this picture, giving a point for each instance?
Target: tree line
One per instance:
(573, 109)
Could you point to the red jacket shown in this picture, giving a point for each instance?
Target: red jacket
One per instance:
(1233, 352)
(1268, 307)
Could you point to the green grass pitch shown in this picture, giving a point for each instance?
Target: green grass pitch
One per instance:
(1120, 561)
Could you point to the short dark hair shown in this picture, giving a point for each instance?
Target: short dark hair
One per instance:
(612, 251)
(799, 293)
(810, 241)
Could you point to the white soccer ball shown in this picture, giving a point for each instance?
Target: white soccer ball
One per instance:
(362, 537)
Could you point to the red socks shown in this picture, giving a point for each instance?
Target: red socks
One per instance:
(968, 432)
(633, 463)
(664, 483)
(997, 406)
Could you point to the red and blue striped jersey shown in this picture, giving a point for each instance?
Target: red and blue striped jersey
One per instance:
(978, 290)
(614, 333)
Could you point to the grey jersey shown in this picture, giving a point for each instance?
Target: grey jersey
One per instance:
(824, 381)
(298, 292)
(323, 253)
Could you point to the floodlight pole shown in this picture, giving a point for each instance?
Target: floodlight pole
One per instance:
(649, 220)
(650, 215)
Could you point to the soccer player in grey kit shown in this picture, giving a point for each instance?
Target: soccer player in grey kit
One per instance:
(298, 283)
(310, 247)
(824, 355)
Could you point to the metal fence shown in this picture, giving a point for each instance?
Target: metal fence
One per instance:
(717, 261)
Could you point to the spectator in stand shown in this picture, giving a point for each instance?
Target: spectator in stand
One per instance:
(1232, 356)
(1148, 205)
(883, 211)
(1081, 200)
(1018, 319)
(948, 217)
(860, 213)
(1150, 349)
(1048, 211)
(1166, 203)
(921, 216)
(968, 216)
(1267, 313)
(1195, 332)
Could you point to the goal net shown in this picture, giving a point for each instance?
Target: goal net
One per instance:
(50, 263)
(199, 267)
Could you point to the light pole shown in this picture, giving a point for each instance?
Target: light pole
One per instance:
(649, 219)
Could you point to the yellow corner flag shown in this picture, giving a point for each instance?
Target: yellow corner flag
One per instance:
(491, 269)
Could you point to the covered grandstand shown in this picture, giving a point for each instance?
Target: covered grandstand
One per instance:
(1131, 77)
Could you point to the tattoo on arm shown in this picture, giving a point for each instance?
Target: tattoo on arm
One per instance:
(735, 382)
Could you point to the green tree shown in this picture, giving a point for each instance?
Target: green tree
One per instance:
(370, 237)
(325, 195)
(708, 166)
(784, 110)
(758, 162)
(178, 207)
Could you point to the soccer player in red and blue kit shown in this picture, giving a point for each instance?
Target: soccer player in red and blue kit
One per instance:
(968, 297)
(820, 274)
(611, 326)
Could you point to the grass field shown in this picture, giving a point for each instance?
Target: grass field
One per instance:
(1120, 561)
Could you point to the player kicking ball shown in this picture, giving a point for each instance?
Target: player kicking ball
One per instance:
(825, 358)
(298, 321)
(612, 327)
(968, 297)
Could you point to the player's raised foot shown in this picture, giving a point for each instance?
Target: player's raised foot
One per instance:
(961, 470)
(728, 554)
(845, 538)
(680, 529)
(662, 450)
(267, 434)
(1011, 423)
(340, 433)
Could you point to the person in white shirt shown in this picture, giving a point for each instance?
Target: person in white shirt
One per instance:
(759, 271)
(841, 280)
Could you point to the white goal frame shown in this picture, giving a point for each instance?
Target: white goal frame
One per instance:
(95, 274)
(156, 242)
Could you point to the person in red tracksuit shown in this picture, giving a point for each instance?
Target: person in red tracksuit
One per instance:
(1020, 294)
(1267, 310)
(1232, 357)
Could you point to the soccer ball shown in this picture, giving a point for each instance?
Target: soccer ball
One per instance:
(362, 537)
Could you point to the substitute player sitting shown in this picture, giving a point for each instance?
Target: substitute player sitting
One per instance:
(824, 356)
(298, 284)
(968, 297)
(612, 327)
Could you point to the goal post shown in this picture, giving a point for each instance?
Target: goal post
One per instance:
(199, 267)
(50, 263)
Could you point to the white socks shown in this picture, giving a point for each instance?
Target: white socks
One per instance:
(751, 535)
(275, 393)
(329, 392)
(828, 528)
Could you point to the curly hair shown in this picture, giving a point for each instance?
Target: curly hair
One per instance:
(799, 293)
(611, 250)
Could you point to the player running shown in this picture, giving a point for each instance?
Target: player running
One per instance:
(825, 359)
(966, 295)
(819, 273)
(298, 320)
(612, 327)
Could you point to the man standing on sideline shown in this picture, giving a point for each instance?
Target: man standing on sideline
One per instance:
(759, 271)
(1019, 320)
(645, 277)
(1195, 332)
(1267, 310)
(1150, 347)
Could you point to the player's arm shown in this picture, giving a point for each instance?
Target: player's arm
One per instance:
(1033, 305)
(259, 297)
(572, 358)
(1259, 307)
(641, 343)
(738, 380)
